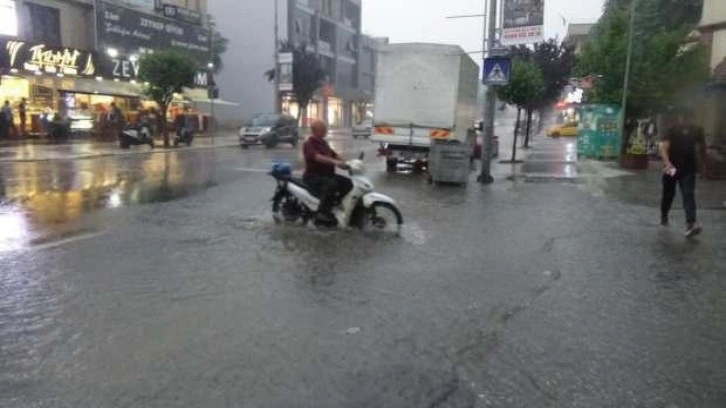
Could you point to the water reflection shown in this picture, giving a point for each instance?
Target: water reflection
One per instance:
(38, 199)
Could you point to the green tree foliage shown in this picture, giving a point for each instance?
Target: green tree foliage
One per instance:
(308, 76)
(556, 62)
(166, 73)
(664, 66)
(526, 87)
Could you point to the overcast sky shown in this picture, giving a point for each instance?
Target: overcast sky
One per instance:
(424, 20)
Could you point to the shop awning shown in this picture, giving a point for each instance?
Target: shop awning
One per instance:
(106, 87)
(200, 96)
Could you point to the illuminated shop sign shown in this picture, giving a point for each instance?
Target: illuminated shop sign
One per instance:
(43, 59)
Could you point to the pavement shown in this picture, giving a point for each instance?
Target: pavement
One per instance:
(161, 281)
(78, 150)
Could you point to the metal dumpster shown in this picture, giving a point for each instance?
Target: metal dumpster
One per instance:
(450, 162)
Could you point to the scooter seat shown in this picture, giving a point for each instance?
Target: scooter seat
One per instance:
(298, 182)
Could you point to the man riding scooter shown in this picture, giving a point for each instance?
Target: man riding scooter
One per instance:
(320, 163)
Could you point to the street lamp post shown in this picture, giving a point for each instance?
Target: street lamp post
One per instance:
(489, 109)
(626, 79)
(278, 102)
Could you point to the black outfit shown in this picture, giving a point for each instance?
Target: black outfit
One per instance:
(682, 154)
(321, 178)
(23, 118)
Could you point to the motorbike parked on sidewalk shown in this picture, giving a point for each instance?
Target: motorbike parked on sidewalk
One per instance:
(361, 208)
(183, 135)
(135, 135)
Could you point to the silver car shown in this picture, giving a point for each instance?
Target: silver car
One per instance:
(269, 130)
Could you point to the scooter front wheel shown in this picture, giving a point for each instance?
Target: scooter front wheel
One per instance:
(382, 217)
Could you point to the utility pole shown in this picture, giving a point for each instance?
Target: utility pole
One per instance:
(489, 29)
(490, 103)
(626, 80)
(278, 104)
(212, 83)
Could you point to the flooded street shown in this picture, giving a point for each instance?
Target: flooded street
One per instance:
(161, 280)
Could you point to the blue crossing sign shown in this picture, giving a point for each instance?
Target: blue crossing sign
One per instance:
(497, 71)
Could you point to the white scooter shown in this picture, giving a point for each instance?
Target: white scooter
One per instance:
(135, 135)
(361, 207)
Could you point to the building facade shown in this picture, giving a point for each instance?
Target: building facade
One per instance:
(76, 57)
(577, 35)
(329, 28)
(713, 34)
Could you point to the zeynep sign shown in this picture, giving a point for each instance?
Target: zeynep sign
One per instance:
(131, 32)
(523, 22)
(40, 58)
(127, 69)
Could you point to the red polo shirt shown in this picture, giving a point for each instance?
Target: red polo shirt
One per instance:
(318, 146)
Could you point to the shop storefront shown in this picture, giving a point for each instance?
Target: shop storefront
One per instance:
(61, 83)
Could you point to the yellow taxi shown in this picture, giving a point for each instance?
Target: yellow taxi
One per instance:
(567, 129)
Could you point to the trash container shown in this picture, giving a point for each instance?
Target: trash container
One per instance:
(450, 162)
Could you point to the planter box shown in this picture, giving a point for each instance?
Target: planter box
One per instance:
(634, 161)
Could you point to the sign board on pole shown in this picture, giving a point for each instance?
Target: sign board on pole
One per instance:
(523, 22)
(285, 61)
(497, 71)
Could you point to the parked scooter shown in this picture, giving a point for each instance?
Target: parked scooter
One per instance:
(361, 207)
(134, 135)
(183, 135)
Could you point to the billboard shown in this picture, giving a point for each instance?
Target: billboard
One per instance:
(22, 56)
(132, 32)
(285, 60)
(523, 22)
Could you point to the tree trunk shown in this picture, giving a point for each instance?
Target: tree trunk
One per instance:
(516, 133)
(164, 127)
(529, 128)
(301, 113)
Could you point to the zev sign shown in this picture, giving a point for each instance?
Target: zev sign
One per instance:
(497, 71)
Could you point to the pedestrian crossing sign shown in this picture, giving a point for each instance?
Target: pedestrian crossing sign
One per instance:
(497, 71)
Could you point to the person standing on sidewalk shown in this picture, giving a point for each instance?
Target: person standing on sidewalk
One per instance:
(7, 124)
(678, 150)
(23, 113)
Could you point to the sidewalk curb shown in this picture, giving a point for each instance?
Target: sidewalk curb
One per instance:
(123, 153)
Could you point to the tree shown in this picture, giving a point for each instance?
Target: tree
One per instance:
(219, 45)
(664, 67)
(556, 62)
(166, 73)
(308, 76)
(525, 88)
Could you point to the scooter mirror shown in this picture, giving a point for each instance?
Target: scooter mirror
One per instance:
(362, 156)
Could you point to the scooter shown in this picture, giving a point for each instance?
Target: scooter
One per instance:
(183, 135)
(361, 208)
(134, 135)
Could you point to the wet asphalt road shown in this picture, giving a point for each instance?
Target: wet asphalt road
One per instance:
(161, 281)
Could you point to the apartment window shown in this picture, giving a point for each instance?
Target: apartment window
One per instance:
(45, 24)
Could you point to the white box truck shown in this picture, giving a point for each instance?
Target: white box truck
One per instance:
(423, 92)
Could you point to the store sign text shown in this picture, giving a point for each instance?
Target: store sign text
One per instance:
(125, 69)
(51, 60)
